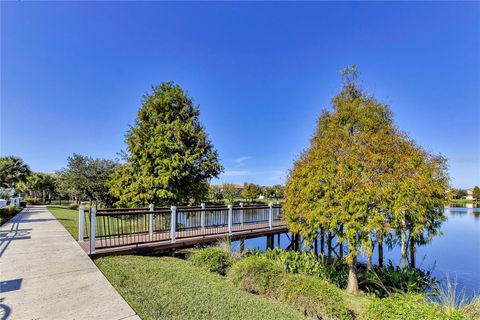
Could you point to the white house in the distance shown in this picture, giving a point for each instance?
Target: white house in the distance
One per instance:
(469, 194)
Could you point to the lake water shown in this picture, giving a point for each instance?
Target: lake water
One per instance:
(455, 254)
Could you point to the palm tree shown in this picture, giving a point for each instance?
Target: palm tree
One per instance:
(12, 171)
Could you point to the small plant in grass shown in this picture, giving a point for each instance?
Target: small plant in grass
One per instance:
(453, 299)
(213, 259)
(304, 263)
(256, 274)
(385, 281)
(316, 298)
(409, 307)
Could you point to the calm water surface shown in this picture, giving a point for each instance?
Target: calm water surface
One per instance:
(455, 254)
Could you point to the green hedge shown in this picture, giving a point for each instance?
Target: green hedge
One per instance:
(408, 307)
(213, 259)
(256, 275)
(8, 212)
(316, 298)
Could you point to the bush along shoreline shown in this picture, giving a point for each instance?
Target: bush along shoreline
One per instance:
(316, 287)
(379, 281)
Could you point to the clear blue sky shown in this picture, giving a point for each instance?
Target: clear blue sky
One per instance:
(72, 75)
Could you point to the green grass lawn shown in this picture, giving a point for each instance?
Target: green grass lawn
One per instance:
(67, 217)
(462, 201)
(171, 288)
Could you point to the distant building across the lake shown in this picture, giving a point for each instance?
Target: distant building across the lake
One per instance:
(469, 194)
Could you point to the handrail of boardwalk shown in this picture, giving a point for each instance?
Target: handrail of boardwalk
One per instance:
(107, 228)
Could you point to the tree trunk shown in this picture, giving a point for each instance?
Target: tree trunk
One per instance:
(380, 251)
(329, 244)
(322, 241)
(403, 261)
(370, 253)
(369, 261)
(341, 243)
(316, 246)
(352, 286)
(412, 252)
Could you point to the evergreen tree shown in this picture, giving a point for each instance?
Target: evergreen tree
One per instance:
(229, 192)
(170, 159)
(355, 178)
(86, 178)
(476, 193)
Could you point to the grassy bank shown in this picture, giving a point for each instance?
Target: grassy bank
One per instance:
(170, 288)
(67, 217)
(462, 201)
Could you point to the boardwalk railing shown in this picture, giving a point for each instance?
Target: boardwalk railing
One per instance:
(106, 228)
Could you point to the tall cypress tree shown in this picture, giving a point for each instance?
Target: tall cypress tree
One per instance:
(170, 159)
(361, 176)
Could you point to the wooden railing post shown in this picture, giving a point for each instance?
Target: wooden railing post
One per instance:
(241, 214)
(150, 221)
(93, 226)
(173, 223)
(230, 212)
(81, 221)
(202, 216)
(270, 215)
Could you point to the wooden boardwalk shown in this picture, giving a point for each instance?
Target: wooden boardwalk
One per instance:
(143, 243)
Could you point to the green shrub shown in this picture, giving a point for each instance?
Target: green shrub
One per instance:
(73, 206)
(303, 263)
(382, 281)
(316, 298)
(213, 259)
(23, 204)
(33, 201)
(408, 307)
(7, 212)
(256, 274)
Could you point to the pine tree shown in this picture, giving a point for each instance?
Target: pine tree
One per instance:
(170, 159)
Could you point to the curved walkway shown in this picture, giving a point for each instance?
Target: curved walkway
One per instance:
(45, 274)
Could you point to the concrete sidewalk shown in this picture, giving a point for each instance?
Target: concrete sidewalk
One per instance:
(46, 275)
